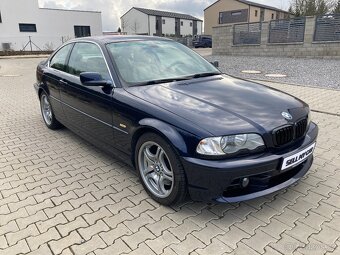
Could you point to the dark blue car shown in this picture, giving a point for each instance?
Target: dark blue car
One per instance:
(183, 125)
(202, 41)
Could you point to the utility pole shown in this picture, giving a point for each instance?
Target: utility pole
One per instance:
(30, 42)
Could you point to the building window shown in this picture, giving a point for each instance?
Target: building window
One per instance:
(236, 13)
(233, 16)
(181, 23)
(256, 13)
(191, 24)
(163, 21)
(272, 15)
(0, 18)
(27, 27)
(82, 31)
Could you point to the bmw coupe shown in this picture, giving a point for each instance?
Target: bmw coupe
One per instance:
(186, 127)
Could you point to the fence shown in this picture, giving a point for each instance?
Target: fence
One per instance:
(327, 28)
(308, 37)
(247, 33)
(287, 30)
(31, 43)
(183, 40)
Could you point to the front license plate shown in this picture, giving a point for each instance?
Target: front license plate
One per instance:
(298, 157)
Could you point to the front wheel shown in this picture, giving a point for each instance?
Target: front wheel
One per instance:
(47, 113)
(160, 170)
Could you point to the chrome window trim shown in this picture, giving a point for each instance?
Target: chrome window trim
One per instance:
(92, 117)
(85, 41)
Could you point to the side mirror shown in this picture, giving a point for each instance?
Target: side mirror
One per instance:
(94, 79)
(215, 64)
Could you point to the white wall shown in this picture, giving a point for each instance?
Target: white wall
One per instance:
(52, 25)
(169, 26)
(186, 29)
(135, 22)
(199, 27)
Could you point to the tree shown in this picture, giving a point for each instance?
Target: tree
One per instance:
(134, 27)
(124, 24)
(322, 7)
(297, 7)
(310, 7)
(337, 7)
(290, 10)
(119, 30)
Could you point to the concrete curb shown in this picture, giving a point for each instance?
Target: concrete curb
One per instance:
(293, 84)
(24, 56)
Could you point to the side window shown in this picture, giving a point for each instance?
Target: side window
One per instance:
(59, 59)
(87, 57)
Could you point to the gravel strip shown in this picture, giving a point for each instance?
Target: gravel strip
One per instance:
(311, 72)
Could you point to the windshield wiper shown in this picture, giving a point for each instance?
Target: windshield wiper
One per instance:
(152, 82)
(195, 76)
(201, 75)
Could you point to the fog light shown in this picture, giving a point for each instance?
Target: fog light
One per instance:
(245, 182)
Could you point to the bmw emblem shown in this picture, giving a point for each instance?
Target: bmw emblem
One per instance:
(287, 115)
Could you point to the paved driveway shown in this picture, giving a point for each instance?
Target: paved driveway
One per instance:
(60, 195)
(301, 71)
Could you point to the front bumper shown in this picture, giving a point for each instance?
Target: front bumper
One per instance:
(219, 179)
(36, 87)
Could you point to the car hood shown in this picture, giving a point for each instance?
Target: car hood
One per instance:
(224, 105)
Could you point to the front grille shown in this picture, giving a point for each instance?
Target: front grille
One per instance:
(289, 133)
(283, 135)
(300, 128)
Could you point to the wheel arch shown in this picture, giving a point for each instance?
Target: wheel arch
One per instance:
(164, 130)
(43, 88)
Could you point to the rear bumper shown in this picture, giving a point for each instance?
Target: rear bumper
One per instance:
(219, 179)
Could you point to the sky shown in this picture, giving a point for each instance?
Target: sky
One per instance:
(112, 10)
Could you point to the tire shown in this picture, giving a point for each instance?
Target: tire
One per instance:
(47, 113)
(156, 160)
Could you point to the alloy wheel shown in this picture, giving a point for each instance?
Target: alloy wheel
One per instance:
(155, 169)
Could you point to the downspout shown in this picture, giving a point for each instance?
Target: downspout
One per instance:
(149, 24)
(248, 13)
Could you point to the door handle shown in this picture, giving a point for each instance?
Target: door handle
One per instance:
(62, 82)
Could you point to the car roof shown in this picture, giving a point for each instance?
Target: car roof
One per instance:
(120, 38)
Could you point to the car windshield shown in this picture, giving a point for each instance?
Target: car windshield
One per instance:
(151, 62)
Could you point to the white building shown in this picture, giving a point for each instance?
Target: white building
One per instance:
(21, 20)
(161, 23)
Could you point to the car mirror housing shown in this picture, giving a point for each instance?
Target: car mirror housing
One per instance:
(94, 79)
(215, 64)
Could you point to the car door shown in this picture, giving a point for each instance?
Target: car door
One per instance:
(52, 76)
(88, 108)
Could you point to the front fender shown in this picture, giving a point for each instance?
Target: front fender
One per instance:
(168, 131)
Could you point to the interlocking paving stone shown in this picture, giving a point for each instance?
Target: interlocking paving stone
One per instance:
(34, 242)
(110, 236)
(61, 195)
(160, 243)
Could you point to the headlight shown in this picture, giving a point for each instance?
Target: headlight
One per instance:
(219, 146)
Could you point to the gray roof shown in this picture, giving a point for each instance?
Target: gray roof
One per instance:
(261, 5)
(166, 14)
(254, 4)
